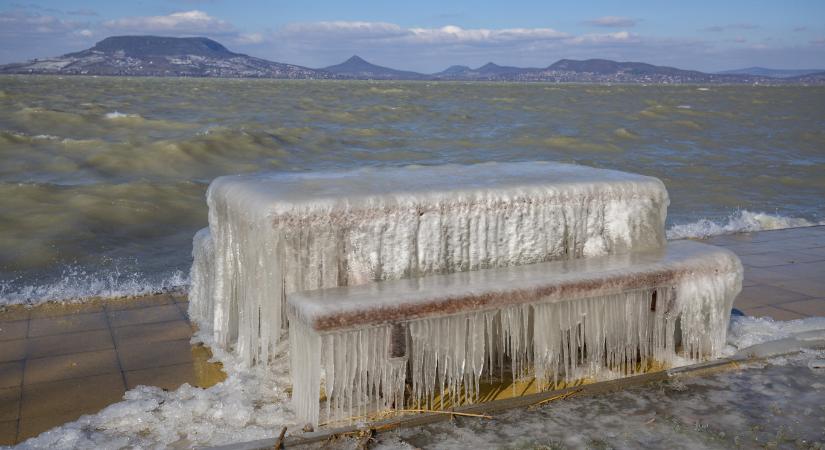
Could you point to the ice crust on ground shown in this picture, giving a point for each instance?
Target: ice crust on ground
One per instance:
(746, 331)
(773, 405)
(254, 404)
(542, 337)
(273, 234)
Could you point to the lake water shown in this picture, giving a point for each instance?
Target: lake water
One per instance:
(102, 180)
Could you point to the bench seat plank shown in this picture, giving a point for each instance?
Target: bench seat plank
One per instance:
(336, 309)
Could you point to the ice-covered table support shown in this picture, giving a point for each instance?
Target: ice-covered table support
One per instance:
(588, 318)
(272, 235)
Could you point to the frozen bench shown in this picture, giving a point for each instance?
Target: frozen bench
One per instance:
(577, 318)
(274, 234)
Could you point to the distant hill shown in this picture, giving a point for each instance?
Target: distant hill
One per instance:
(356, 67)
(811, 78)
(151, 46)
(490, 71)
(162, 56)
(203, 57)
(774, 73)
(452, 70)
(608, 67)
(589, 71)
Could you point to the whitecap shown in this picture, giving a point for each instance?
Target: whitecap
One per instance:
(76, 285)
(738, 222)
(119, 115)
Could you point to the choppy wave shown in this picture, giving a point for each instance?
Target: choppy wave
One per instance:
(738, 222)
(119, 115)
(110, 167)
(76, 284)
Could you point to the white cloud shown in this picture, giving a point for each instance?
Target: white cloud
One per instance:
(23, 22)
(612, 21)
(184, 22)
(249, 38)
(82, 12)
(395, 34)
(606, 38)
(454, 34)
(317, 44)
(337, 29)
(733, 26)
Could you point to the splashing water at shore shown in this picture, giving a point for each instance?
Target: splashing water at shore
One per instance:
(739, 222)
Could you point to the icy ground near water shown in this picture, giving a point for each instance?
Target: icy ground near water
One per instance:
(780, 401)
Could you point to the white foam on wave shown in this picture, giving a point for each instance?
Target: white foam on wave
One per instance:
(76, 284)
(114, 115)
(738, 222)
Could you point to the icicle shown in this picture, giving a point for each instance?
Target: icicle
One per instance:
(305, 364)
(201, 300)
(703, 313)
(360, 374)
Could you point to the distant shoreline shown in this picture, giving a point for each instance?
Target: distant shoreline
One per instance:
(779, 82)
(199, 57)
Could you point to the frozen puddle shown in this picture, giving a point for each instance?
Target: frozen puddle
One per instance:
(781, 400)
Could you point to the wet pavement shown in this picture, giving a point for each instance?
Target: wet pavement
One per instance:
(784, 272)
(58, 362)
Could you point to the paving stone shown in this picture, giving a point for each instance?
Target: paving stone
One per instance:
(153, 332)
(62, 344)
(67, 324)
(11, 374)
(772, 312)
(83, 395)
(812, 308)
(169, 377)
(142, 355)
(74, 365)
(162, 313)
(9, 403)
(16, 329)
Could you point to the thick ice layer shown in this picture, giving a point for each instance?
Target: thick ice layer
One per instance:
(201, 302)
(590, 318)
(433, 296)
(274, 234)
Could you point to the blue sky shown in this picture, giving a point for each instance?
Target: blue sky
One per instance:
(428, 35)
